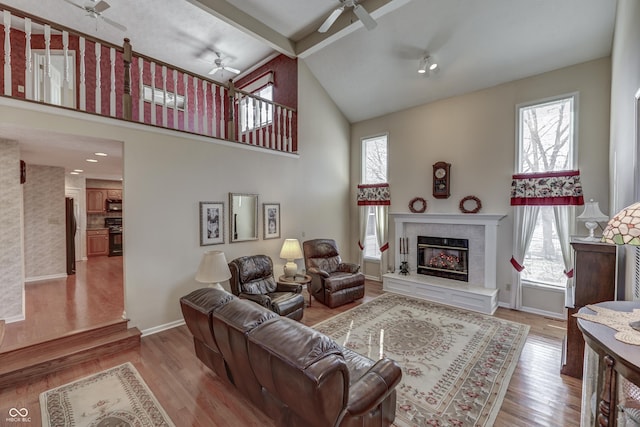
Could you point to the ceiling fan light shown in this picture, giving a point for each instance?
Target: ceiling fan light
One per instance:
(422, 68)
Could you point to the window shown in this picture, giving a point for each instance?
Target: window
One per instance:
(546, 142)
(252, 114)
(374, 171)
(158, 97)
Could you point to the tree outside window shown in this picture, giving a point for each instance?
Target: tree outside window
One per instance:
(374, 171)
(546, 143)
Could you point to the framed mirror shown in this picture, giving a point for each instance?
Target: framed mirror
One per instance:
(243, 217)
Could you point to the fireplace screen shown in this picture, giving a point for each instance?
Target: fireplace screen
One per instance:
(443, 257)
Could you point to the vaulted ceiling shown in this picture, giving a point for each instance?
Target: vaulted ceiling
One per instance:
(477, 43)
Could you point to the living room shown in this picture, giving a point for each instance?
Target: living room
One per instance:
(167, 175)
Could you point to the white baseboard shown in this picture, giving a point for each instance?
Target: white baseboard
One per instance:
(49, 277)
(374, 278)
(161, 328)
(18, 318)
(552, 314)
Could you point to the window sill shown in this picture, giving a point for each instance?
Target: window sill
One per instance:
(371, 259)
(534, 285)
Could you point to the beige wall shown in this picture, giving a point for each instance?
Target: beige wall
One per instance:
(44, 223)
(475, 132)
(624, 152)
(167, 174)
(11, 237)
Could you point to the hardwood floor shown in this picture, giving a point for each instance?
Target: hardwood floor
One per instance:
(193, 396)
(92, 296)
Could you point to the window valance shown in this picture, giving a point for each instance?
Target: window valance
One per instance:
(558, 188)
(374, 195)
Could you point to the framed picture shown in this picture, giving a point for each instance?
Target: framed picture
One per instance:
(211, 223)
(271, 216)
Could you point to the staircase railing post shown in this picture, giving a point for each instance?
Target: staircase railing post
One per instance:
(231, 121)
(127, 101)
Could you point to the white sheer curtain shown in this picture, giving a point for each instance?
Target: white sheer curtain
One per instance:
(564, 224)
(382, 235)
(525, 218)
(364, 214)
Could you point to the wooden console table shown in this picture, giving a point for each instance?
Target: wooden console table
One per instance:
(616, 380)
(594, 280)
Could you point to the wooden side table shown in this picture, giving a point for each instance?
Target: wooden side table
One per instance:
(303, 279)
(616, 376)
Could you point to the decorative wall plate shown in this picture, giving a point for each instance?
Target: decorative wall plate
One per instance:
(470, 204)
(418, 205)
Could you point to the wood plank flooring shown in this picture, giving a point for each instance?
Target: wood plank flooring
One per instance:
(193, 396)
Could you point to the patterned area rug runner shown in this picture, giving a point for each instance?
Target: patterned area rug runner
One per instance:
(115, 397)
(456, 364)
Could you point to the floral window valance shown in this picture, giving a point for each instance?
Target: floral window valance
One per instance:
(547, 189)
(374, 195)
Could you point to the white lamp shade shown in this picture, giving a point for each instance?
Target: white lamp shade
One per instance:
(213, 268)
(291, 249)
(592, 212)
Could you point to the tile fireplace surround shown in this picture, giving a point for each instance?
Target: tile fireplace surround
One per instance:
(480, 293)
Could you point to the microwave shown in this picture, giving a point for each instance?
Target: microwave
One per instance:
(114, 205)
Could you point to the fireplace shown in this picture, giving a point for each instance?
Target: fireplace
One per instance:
(443, 257)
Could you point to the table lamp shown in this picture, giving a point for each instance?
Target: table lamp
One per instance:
(213, 269)
(624, 229)
(591, 215)
(291, 251)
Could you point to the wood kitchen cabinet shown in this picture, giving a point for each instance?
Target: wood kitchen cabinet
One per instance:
(114, 194)
(594, 275)
(96, 200)
(97, 242)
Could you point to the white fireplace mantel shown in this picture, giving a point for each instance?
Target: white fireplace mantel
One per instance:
(483, 230)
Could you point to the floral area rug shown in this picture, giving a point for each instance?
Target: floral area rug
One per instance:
(456, 364)
(115, 397)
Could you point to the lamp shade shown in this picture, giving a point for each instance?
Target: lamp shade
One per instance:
(291, 249)
(592, 212)
(213, 268)
(624, 227)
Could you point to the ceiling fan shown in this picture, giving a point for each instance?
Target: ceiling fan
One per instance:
(360, 12)
(95, 11)
(220, 66)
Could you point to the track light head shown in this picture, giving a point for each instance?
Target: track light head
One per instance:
(428, 65)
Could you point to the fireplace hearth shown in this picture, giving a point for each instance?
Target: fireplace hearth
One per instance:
(443, 257)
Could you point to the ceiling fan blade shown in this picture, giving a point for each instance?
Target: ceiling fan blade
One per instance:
(232, 70)
(330, 20)
(101, 7)
(75, 4)
(114, 23)
(214, 70)
(364, 17)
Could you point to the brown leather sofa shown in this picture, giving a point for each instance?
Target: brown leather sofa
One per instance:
(333, 282)
(252, 278)
(294, 374)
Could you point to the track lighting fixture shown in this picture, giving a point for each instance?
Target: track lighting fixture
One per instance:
(427, 65)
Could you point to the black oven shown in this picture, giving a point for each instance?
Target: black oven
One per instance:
(115, 235)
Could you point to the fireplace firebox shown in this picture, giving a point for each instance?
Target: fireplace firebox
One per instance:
(443, 257)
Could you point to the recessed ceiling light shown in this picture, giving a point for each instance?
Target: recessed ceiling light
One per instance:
(92, 161)
(78, 170)
(101, 154)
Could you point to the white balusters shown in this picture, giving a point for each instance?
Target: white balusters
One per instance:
(185, 80)
(196, 112)
(112, 92)
(223, 123)
(289, 131)
(164, 95)
(153, 93)
(83, 76)
(175, 99)
(278, 123)
(214, 110)
(7, 53)
(140, 90)
(98, 50)
(28, 71)
(204, 108)
(66, 83)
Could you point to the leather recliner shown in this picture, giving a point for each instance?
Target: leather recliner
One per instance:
(333, 282)
(294, 374)
(252, 279)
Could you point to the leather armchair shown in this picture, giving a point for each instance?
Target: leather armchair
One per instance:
(333, 282)
(252, 279)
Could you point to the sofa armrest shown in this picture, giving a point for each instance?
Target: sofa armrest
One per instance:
(374, 386)
(348, 267)
(289, 287)
(263, 300)
(318, 272)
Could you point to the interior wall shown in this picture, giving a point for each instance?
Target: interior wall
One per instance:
(476, 132)
(167, 174)
(11, 239)
(44, 223)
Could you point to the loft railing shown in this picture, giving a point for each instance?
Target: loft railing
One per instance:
(52, 64)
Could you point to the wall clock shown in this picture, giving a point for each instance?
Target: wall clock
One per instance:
(441, 180)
